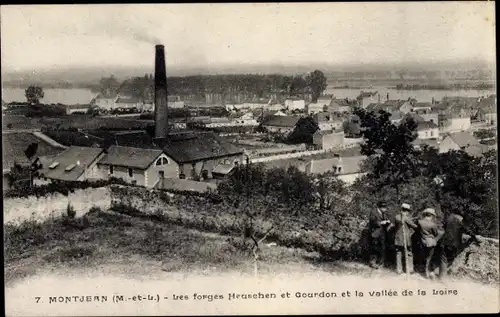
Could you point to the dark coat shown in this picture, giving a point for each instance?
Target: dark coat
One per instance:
(453, 230)
(376, 228)
(409, 227)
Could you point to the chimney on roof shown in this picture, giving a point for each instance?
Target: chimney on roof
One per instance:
(387, 96)
(161, 101)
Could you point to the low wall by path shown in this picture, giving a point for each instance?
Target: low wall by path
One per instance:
(42, 208)
(290, 155)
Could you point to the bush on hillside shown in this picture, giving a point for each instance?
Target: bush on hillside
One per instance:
(61, 187)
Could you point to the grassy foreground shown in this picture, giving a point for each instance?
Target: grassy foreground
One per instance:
(138, 245)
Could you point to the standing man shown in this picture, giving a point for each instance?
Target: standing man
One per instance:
(378, 223)
(403, 230)
(451, 242)
(429, 235)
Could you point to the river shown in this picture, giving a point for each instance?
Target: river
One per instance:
(64, 96)
(424, 95)
(83, 96)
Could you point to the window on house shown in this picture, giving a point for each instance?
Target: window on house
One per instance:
(164, 161)
(339, 169)
(111, 171)
(432, 133)
(130, 172)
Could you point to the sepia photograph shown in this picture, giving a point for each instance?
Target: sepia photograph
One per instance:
(250, 158)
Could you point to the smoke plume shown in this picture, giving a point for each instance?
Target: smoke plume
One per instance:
(127, 31)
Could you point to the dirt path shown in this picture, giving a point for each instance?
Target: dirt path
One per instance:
(128, 281)
(191, 262)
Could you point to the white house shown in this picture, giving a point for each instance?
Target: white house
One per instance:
(366, 98)
(128, 103)
(70, 109)
(427, 130)
(106, 103)
(295, 104)
(347, 169)
(427, 114)
(326, 140)
(144, 167)
(455, 123)
(280, 124)
(274, 107)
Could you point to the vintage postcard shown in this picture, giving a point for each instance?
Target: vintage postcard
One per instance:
(250, 158)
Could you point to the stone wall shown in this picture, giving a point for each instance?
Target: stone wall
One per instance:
(42, 208)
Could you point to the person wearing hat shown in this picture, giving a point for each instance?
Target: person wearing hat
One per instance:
(378, 224)
(451, 242)
(429, 235)
(404, 227)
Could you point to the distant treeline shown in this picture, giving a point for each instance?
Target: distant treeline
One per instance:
(480, 86)
(198, 86)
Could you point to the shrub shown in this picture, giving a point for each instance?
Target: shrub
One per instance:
(70, 211)
(95, 210)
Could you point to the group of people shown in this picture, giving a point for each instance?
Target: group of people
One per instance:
(430, 237)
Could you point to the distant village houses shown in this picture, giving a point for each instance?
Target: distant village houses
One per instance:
(79, 109)
(427, 130)
(295, 104)
(455, 122)
(328, 121)
(366, 98)
(347, 169)
(462, 141)
(281, 124)
(327, 140)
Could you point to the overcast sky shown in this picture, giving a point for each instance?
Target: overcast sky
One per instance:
(41, 37)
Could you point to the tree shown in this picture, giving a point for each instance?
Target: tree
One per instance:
(34, 94)
(298, 85)
(303, 131)
(328, 190)
(391, 146)
(351, 129)
(316, 81)
(470, 185)
(109, 86)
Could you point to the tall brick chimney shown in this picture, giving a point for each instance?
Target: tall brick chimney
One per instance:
(161, 101)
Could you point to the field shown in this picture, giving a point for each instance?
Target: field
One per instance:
(14, 145)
